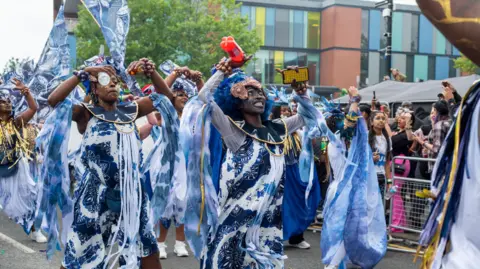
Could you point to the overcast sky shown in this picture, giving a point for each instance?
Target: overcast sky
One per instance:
(25, 25)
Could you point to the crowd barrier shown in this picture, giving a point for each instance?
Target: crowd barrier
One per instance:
(407, 213)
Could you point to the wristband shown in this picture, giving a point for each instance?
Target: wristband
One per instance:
(82, 75)
(355, 99)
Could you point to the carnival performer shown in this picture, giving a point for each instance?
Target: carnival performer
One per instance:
(354, 228)
(183, 83)
(295, 219)
(17, 187)
(110, 205)
(240, 225)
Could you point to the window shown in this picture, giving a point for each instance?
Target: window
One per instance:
(440, 43)
(414, 39)
(314, 68)
(374, 68)
(260, 23)
(298, 28)
(270, 27)
(282, 27)
(313, 41)
(448, 48)
(441, 68)
(431, 67)
(410, 68)
(452, 72)
(263, 63)
(426, 35)
(302, 59)
(374, 32)
(365, 28)
(278, 60)
(383, 31)
(363, 70)
(399, 61)
(421, 67)
(397, 31)
(290, 58)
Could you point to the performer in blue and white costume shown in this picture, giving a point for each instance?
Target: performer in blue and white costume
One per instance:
(110, 205)
(157, 171)
(17, 187)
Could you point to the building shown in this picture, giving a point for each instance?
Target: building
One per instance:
(339, 40)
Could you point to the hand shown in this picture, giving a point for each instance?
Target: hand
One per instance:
(299, 87)
(129, 97)
(143, 65)
(196, 76)
(179, 71)
(24, 90)
(224, 66)
(94, 70)
(376, 157)
(353, 91)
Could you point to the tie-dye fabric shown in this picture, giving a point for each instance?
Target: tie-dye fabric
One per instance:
(111, 155)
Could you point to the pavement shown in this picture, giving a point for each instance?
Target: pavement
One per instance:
(11, 257)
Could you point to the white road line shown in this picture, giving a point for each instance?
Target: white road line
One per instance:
(16, 244)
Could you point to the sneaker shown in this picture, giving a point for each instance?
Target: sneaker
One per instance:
(38, 237)
(162, 248)
(180, 249)
(302, 245)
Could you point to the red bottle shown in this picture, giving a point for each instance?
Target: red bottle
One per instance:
(231, 47)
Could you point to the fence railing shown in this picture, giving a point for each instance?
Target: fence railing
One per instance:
(407, 212)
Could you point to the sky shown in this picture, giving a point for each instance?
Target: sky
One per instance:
(25, 26)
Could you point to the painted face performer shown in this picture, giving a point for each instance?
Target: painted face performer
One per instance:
(157, 171)
(110, 205)
(17, 188)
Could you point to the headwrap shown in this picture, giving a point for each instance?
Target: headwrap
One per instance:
(181, 83)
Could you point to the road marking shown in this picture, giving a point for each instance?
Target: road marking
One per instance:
(16, 244)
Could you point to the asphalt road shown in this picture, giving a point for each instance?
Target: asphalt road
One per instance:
(13, 258)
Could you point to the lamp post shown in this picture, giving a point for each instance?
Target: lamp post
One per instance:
(387, 15)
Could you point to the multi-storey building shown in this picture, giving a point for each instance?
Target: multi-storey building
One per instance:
(340, 41)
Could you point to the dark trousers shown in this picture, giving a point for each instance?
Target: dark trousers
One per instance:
(296, 239)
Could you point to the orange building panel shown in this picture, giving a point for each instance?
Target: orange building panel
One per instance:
(341, 27)
(339, 68)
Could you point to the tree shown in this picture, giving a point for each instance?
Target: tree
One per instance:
(187, 32)
(10, 66)
(465, 65)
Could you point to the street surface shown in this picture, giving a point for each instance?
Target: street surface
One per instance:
(13, 258)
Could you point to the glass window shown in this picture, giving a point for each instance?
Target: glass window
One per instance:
(431, 67)
(270, 27)
(365, 27)
(383, 30)
(245, 11)
(410, 67)
(397, 28)
(363, 69)
(452, 72)
(440, 43)
(421, 67)
(414, 39)
(448, 48)
(383, 72)
(373, 68)
(456, 52)
(406, 32)
(282, 27)
(426, 35)
(263, 66)
(302, 59)
(313, 41)
(291, 58)
(399, 61)
(374, 32)
(314, 68)
(441, 68)
(279, 64)
(298, 28)
(260, 23)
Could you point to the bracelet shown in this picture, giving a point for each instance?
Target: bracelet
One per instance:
(82, 75)
(355, 99)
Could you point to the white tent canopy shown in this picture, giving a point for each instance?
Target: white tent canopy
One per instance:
(393, 91)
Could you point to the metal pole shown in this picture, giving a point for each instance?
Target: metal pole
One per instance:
(388, 50)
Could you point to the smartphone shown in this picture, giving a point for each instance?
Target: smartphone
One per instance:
(445, 83)
(290, 75)
(374, 96)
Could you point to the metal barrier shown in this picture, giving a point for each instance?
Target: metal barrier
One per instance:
(408, 213)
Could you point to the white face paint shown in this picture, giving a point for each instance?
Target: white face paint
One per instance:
(103, 79)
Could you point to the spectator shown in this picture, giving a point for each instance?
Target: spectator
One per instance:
(440, 125)
(381, 145)
(397, 76)
(366, 111)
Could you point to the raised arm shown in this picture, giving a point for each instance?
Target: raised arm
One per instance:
(28, 114)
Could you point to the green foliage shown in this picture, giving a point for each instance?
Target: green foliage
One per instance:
(11, 65)
(465, 64)
(187, 32)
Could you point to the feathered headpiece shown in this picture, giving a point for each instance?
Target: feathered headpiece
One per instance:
(280, 97)
(232, 89)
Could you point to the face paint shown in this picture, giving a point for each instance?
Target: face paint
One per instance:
(103, 79)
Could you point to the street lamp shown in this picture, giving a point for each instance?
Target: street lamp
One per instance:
(387, 15)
